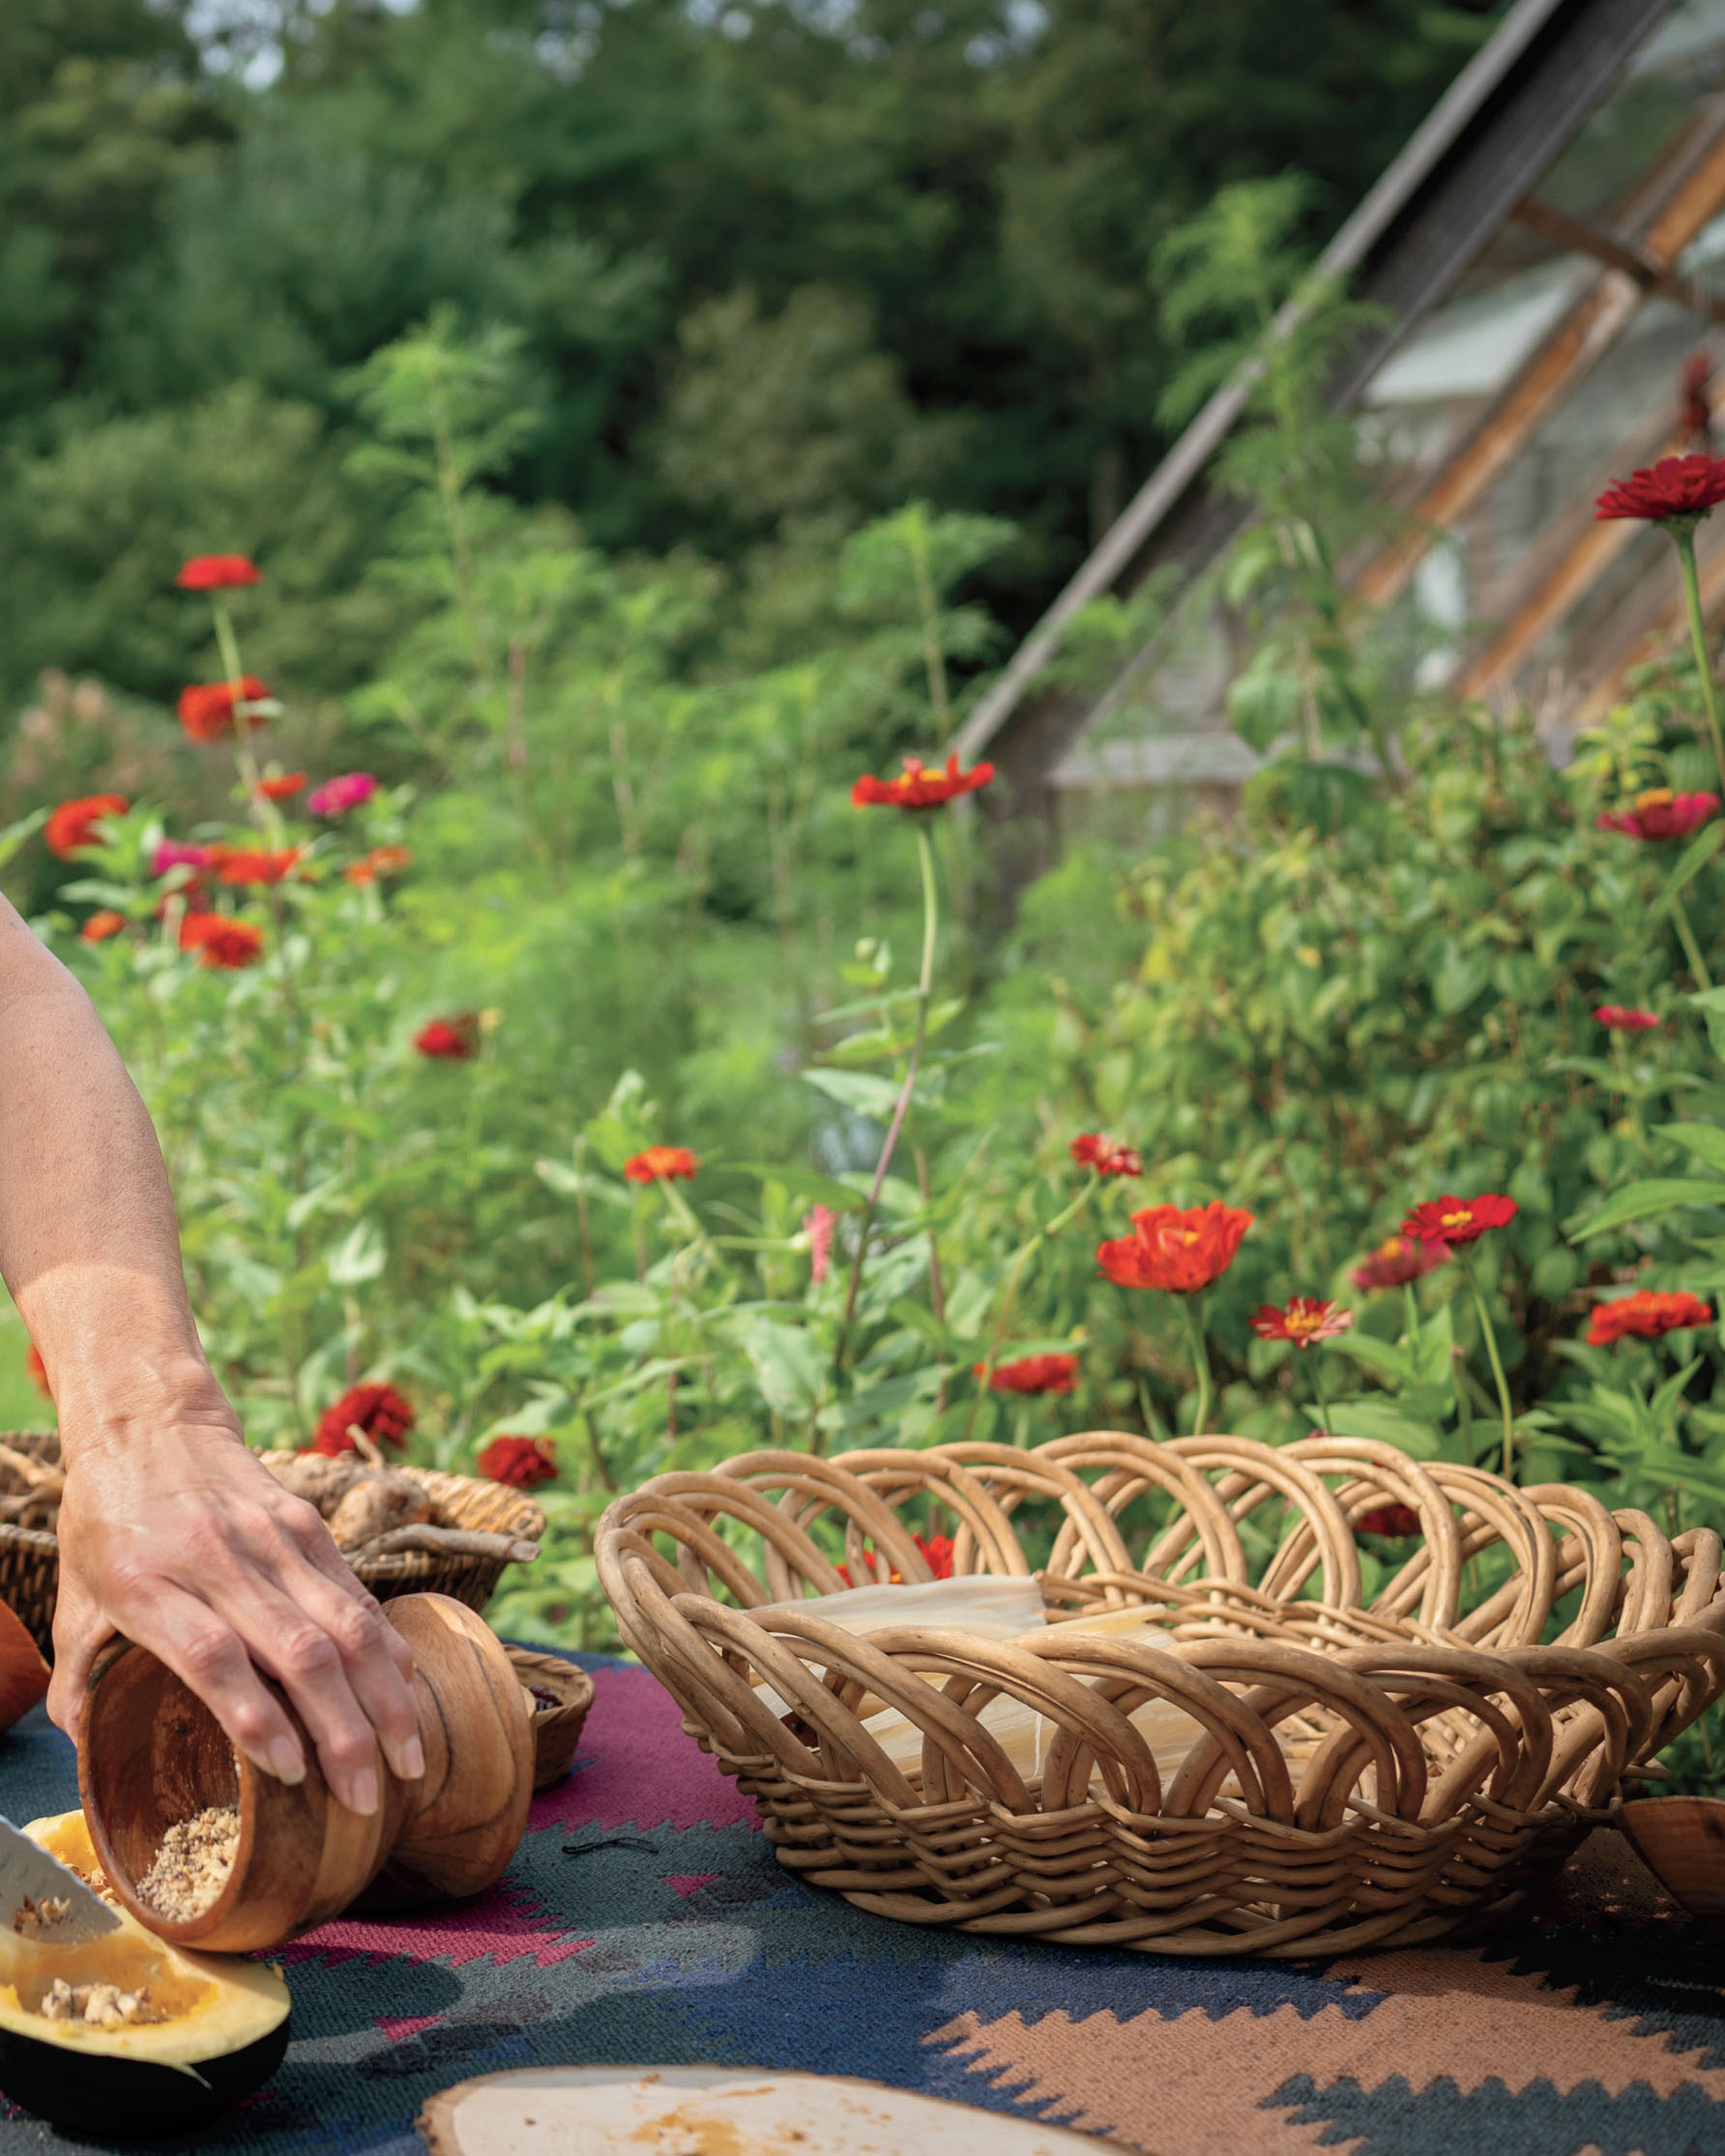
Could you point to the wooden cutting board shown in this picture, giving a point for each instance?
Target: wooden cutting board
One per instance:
(717, 2111)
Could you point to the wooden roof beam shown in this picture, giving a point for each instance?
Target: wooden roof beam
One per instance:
(1684, 198)
(1652, 271)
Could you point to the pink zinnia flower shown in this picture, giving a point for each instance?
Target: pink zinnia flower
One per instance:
(818, 1224)
(337, 796)
(177, 852)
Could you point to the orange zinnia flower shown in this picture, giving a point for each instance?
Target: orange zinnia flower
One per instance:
(102, 926)
(221, 941)
(660, 1164)
(381, 861)
(1305, 1320)
(1646, 1315)
(1454, 1220)
(1105, 1155)
(916, 787)
(37, 1371)
(281, 789)
(207, 708)
(1180, 1251)
(217, 572)
(253, 864)
(73, 822)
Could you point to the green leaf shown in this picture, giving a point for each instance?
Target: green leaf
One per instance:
(863, 1092)
(1693, 858)
(14, 834)
(803, 1182)
(791, 1374)
(1645, 1201)
(1376, 1418)
(1705, 1140)
(359, 1256)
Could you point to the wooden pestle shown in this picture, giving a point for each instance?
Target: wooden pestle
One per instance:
(151, 1754)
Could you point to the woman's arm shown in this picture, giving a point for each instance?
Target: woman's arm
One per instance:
(170, 1530)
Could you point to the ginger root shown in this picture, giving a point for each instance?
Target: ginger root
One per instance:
(374, 1504)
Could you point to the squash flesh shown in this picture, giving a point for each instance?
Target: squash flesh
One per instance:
(209, 2005)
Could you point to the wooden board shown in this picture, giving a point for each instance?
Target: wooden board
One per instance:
(716, 2111)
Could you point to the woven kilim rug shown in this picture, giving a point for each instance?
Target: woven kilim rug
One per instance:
(645, 1921)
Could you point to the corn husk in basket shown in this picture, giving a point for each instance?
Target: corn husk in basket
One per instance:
(1266, 1765)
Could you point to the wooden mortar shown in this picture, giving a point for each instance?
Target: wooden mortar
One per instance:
(151, 1754)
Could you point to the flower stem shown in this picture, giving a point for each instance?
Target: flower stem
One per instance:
(1020, 1259)
(1497, 1371)
(1685, 935)
(1322, 1390)
(925, 986)
(1686, 553)
(1411, 1309)
(229, 647)
(1192, 1310)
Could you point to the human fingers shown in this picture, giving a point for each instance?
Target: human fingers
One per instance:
(211, 1658)
(376, 1659)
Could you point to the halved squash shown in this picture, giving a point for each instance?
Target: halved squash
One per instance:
(222, 2032)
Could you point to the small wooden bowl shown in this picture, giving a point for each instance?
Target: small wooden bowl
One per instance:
(151, 1754)
(556, 1730)
(1682, 1841)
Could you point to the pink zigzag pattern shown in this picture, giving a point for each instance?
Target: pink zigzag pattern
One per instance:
(502, 1924)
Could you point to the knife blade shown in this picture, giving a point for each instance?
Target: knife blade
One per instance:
(44, 1902)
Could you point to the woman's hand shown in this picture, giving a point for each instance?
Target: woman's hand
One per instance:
(180, 1539)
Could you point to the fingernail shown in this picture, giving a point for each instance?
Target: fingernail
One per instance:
(361, 1793)
(413, 1760)
(286, 1760)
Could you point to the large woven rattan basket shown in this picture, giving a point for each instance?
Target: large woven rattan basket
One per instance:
(30, 1557)
(1357, 1773)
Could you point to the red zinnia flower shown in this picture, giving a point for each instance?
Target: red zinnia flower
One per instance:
(453, 1041)
(1646, 1314)
(207, 709)
(1179, 1251)
(1094, 1149)
(37, 1371)
(1459, 1220)
(253, 864)
(1034, 1373)
(1305, 1320)
(1659, 813)
(916, 787)
(1398, 1261)
(1388, 1519)
(1623, 1018)
(221, 941)
(281, 789)
(660, 1164)
(102, 926)
(520, 1462)
(73, 822)
(382, 1413)
(1674, 486)
(937, 1552)
(217, 572)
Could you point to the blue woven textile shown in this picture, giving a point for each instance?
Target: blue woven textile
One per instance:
(645, 1920)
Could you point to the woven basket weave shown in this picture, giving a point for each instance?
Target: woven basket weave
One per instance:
(30, 1560)
(1359, 1776)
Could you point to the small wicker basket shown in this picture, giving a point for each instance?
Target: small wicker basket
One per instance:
(556, 1730)
(30, 1558)
(1354, 1776)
